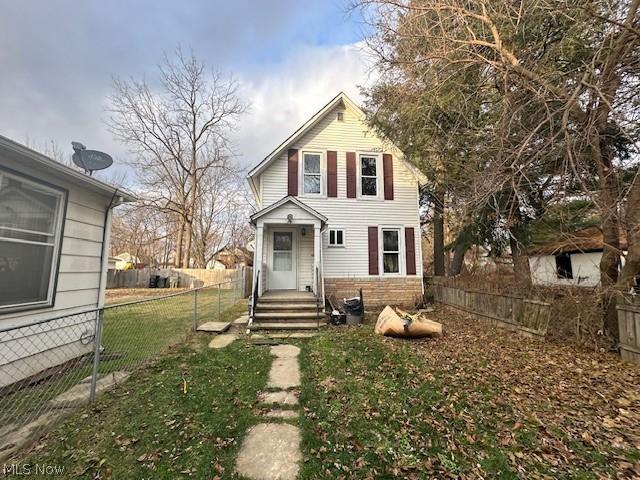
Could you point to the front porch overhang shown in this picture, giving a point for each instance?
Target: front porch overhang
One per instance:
(288, 210)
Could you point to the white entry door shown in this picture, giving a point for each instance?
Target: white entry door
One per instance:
(283, 260)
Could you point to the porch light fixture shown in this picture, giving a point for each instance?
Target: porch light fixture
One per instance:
(290, 218)
(303, 231)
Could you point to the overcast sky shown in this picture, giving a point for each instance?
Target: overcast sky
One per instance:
(58, 57)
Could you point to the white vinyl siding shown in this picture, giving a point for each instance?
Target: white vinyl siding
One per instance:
(353, 216)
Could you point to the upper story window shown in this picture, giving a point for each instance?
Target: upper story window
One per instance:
(31, 216)
(368, 170)
(312, 173)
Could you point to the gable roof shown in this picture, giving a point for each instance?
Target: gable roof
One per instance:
(341, 99)
(283, 201)
(38, 160)
(588, 239)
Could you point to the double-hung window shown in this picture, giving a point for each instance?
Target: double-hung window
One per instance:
(368, 176)
(390, 251)
(30, 236)
(312, 173)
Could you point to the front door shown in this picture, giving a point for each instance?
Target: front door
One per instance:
(283, 261)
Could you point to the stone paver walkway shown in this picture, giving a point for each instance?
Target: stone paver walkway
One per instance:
(271, 451)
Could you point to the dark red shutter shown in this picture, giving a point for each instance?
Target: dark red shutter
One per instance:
(293, 172)
(387, 168)
(373, 250)
(410, 249)
(332, 174)
(351, 174)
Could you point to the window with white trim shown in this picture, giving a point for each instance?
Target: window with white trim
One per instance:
(390, 251)
(336, 237)
(368, 170)
(311, 173)
(30, 236)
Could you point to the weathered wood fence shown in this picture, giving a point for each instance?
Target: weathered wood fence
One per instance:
(629, 328)
(186, 277)
(511, 311)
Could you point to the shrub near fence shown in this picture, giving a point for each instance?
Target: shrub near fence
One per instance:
(90, 352)
(516, 312)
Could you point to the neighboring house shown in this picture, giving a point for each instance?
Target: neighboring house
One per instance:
(338, 211)
(54, 238)
(126, 261)
(111, 264)
(231, 258)
(574, 259)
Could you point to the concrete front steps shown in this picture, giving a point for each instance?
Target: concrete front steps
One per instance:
(288, 310)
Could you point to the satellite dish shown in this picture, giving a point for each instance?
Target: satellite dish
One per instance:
(90, 160)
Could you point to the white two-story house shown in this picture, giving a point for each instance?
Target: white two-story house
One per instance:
(338, 212)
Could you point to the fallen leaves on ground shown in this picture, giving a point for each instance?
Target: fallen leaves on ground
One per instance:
(481, 402)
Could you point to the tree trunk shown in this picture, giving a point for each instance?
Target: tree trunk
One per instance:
(177, 259)
(461, 245)
(188, 236)
(521, 268)
(438, 232)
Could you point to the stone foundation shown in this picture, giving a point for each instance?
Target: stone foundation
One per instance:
(377, 292)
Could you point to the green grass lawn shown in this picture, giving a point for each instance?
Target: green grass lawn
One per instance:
(132, 334)
(478, 403)
(151, 428)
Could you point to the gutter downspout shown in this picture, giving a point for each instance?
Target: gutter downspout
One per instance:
(104, 254)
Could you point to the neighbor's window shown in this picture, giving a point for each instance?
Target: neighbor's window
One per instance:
(391, 251)
(311, 173)
(368, 176)
(336, 238)
(563, 266)
(30, 226)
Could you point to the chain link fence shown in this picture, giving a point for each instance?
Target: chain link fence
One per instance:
(48, 368)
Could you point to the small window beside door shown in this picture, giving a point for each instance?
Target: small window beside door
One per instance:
(336, 237)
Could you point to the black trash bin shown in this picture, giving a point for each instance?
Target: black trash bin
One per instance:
(153, 281)
(354, 308)
(162, 282)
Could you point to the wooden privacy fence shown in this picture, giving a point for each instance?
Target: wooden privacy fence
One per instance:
(629, 328)
(187, 277)
(523, 314)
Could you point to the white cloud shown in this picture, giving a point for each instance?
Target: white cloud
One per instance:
(287, 94)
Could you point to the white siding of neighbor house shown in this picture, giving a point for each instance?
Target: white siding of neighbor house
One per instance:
(352, 215)
(585, 267)
(28, 350)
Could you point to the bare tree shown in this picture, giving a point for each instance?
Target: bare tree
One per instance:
(179, 133)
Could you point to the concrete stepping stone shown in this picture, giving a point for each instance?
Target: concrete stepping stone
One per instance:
(281, 397)
(285, 414)
(270, 451)
(224, 340)
(285, 335)
(79, 394)
(284, 373)
(285, 351)
(241, 320)
(214, 327)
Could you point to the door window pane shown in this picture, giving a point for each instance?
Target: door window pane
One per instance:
(282, 241)
(282, 262)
